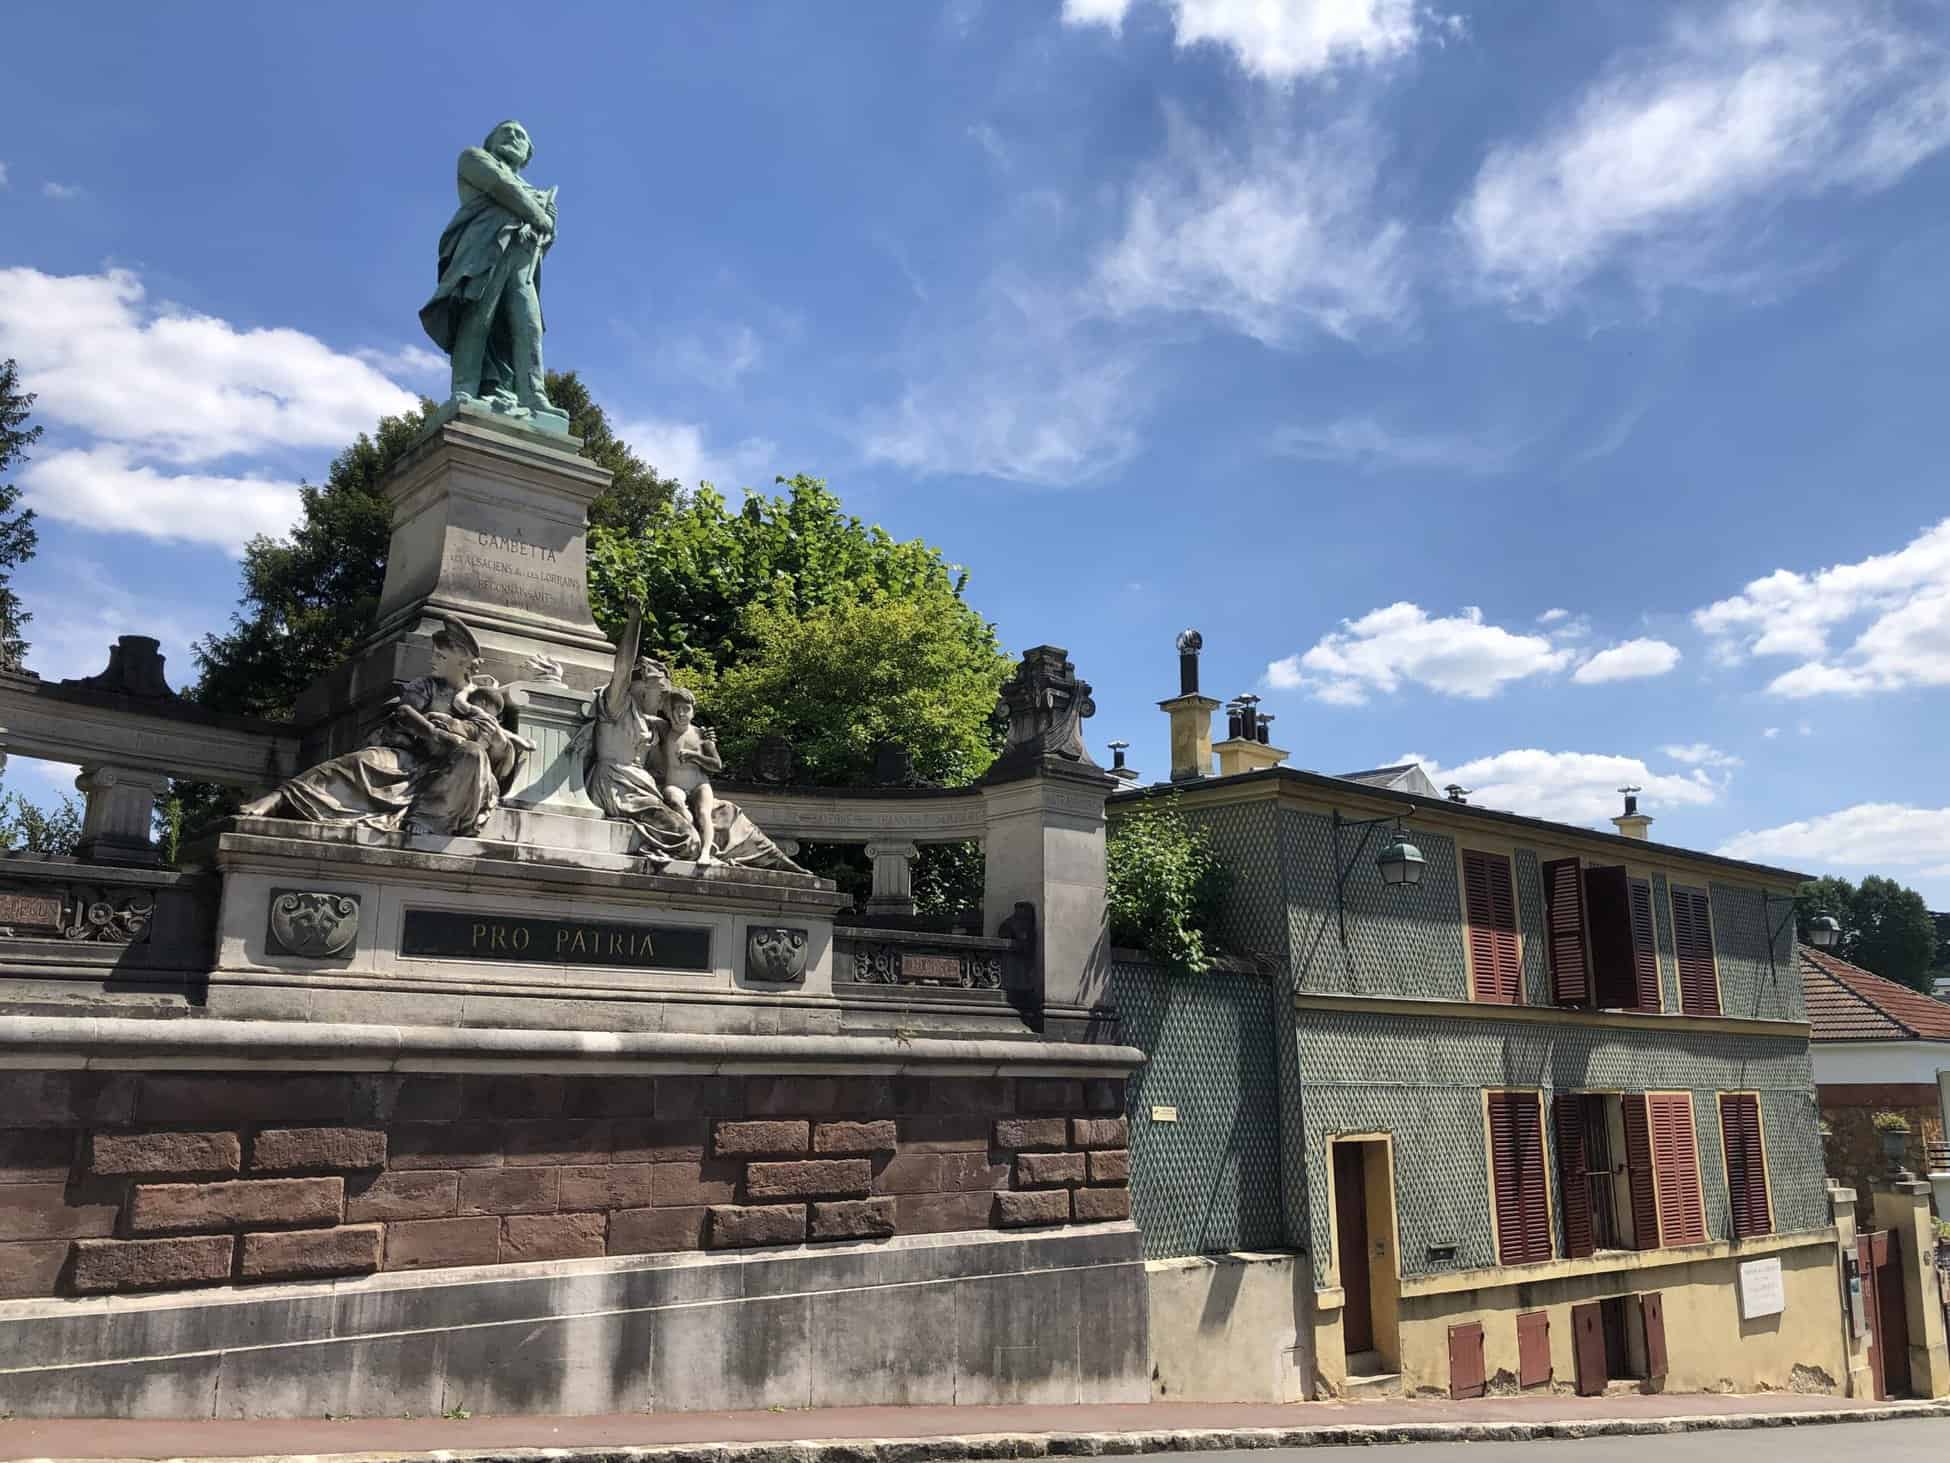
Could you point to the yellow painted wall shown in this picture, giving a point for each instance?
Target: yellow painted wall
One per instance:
(1710, 1349)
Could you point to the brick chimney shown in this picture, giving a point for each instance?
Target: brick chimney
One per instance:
(1191, 715)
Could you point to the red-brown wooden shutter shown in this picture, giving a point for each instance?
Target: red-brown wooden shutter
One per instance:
(1564, 924)
(1588, 1348)
(1692, 938)
(1645, 955)
(1518, 1186)
(1533, 1348)
(1466, 1375)
(1675, 1155)
(1652, 1310)
(1639, 1172)
(1573, 1188)
(1491, 900)
(1746, 1165)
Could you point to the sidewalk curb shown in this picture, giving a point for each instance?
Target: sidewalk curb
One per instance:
(1008, 1445)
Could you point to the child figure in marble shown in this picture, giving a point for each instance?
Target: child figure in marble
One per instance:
(685, 755)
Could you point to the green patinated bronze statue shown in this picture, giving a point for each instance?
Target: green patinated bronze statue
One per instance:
(487, 311)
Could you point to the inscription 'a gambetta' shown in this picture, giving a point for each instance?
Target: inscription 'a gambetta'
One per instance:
(478, 935)
(517, 546)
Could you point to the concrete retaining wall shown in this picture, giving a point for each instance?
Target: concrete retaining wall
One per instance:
(1231, 1328)
(1055, 1317)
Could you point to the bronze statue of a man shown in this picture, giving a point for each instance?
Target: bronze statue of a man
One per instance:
(487, 311)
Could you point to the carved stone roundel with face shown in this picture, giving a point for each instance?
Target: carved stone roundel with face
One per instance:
(775, 954)
(313, 924)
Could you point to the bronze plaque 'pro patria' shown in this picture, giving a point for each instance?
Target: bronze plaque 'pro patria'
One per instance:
(465, 934)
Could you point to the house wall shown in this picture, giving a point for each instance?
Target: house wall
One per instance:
(1710, 1348)
(1852, 1147)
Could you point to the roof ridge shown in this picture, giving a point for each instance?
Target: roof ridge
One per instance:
(1864, 985)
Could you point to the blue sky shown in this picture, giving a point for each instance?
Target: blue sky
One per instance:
(1552, 392)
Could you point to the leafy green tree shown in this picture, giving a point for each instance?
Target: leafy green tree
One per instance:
(34, 829)
(18, 537)
(1165, 886)
(839, 678)
(1886, 927)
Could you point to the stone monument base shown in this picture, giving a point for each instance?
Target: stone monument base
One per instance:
(423, 929)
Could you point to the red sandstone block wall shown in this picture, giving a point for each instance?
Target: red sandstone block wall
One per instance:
(158, 1181)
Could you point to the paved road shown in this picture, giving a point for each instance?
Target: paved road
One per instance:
(1926, 1440)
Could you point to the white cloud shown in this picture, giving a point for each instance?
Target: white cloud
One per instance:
(181, 387)
(1458, 655)
(1701, 754)
(61, 192)
(1771, 732)
(1900, 601)
(716, 360)
(990, 141)
(678, 449)
(1275, 242)
(3, 175)
(1629, 660)
(1096, 12)
(1762, 101)
(1569, 787)
(1279, 40)
(101, 487)
(1880, 835)
(1551, 617)
(1366, 443)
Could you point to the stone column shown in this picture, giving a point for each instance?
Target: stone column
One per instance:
(120, 813)
(1904, 1206)
(1855, 1340)
(1043, 841)
(893, 878)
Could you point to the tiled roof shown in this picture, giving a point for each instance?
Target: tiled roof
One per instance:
(1848, 1003)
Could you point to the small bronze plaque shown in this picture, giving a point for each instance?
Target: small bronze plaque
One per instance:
(931, 968)
(36, 911)
(464, 934)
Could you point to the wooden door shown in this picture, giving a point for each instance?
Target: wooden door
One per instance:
(1351, 1239)
(1652, 1314)
(1466, 1376)
(1892, 1320)
(1865, 1249)
(1533, 1348)
(1588, 1348)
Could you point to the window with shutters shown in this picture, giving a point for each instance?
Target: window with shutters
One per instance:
(1490, 905)
(1519, 1189)
(1624, 959)
(1589, 1130)
(1675, 1168)
(1746, 1164)
(1692, 939)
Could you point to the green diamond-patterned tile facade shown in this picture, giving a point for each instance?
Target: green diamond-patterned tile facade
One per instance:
(1422, 1079)
(1530, 920)
(1752, 984)
(1210, 1180)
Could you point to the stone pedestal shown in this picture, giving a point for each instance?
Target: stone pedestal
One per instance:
(490, 521)
(550, 778)
(1045, 847)
(893, 878)
(120, 813)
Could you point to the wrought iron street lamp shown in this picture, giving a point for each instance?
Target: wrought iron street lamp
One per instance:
(1400, 863)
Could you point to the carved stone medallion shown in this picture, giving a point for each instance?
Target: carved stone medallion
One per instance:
(313, 924)
(775, 955)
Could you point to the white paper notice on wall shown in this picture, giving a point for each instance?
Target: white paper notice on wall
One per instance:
(1761, 1292)
(1163, 1114)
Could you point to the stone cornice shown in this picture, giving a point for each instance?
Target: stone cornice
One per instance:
(121, 1043)
(1671, 1022)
